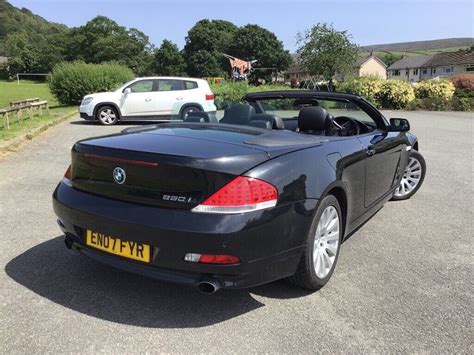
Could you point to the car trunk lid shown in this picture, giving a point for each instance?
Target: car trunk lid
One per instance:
(176, 168)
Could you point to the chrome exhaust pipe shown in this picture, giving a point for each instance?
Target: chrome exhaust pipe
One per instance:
(208, 287)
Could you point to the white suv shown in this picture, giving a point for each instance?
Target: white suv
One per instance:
(157, 98)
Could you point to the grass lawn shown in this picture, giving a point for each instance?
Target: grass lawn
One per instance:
(11, 91)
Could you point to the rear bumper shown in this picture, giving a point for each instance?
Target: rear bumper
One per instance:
(268, 243)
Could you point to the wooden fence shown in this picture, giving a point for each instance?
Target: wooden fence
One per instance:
(16, 110)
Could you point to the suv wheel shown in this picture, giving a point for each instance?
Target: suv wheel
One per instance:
(187, 110)
(107, 115)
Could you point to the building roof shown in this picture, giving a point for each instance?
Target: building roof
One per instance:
(362, 60)
(298, 66)
(451, 58)
(410, 62)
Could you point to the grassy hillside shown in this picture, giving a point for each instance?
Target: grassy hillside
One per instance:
(23, 22)
(422, 46)
(415, 52)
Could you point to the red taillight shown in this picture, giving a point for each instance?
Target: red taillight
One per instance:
(209, 96)
(212, 259)
(243, 194)
(68, 174)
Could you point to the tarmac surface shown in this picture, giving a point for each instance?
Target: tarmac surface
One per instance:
(403, 283)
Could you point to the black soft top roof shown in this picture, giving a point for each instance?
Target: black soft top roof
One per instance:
(300, 94)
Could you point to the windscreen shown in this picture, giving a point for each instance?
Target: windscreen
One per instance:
(289, 108)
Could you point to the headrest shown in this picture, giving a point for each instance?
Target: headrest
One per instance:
(275, 121)
(260, 124)
(312, 118)
(193, 115)
(239, 114)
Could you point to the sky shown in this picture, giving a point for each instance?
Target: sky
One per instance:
(369, 21)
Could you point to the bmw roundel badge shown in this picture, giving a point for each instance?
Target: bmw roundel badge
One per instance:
(119, 175)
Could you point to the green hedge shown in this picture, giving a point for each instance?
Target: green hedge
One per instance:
(433, 95)
(392, 94)
(230, 92)
(395, 94)
(434, 89)
(365, 86)
(71, 81)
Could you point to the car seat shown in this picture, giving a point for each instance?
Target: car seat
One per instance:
(238, 114)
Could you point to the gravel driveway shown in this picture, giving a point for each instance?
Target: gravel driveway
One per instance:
(404, 281)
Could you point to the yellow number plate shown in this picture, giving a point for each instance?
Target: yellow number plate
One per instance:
(127, 249)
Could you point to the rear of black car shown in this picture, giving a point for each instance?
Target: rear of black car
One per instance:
(178, 204)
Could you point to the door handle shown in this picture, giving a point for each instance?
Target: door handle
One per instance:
(147, 99)
(179, 98)
(369, 152)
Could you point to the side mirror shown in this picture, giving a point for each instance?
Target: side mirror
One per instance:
(399, 125)
(127, 91)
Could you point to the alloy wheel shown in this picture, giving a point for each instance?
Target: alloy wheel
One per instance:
(411, 178)
(326, 242)
(107, 116)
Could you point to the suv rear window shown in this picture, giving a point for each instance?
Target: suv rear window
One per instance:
(190, 85)
(170, 85)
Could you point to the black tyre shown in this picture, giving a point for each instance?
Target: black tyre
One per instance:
(187, 110)
(412, 178)
(107, 115)
(323, 242)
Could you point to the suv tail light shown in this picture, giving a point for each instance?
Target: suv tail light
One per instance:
(243, 194)
(209, 97)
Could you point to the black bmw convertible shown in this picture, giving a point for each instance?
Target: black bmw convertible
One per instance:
(268, 192)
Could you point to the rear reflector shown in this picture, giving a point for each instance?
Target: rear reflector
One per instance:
(243, 194)
(68, 173)
(67, 176)
(209, 96)
(212, 259)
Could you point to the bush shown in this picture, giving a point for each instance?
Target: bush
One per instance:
(434, 89)
(395, 94)
(71, 81)
(463, 81)
(435, 104)
(365, 86)
(230, 92)
(462, 103)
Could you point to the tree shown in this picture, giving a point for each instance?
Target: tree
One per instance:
(103, 40)
(254, 42)
(326, 51)
(211, 38)
(203, 63)
(389, 58)
(168, 60)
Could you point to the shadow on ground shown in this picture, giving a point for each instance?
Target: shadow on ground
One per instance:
(83, 285)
